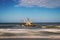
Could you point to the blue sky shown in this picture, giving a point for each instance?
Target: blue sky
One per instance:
(37, 11)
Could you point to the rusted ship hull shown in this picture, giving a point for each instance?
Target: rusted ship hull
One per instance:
(33, 25)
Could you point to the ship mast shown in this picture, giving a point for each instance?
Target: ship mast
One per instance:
(28, 22)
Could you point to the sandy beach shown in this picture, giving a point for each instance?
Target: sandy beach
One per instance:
(29, 34)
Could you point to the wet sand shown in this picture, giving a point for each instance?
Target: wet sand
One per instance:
(29, 39)
(25, 39)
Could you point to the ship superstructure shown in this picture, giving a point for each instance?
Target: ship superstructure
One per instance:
(28, 22)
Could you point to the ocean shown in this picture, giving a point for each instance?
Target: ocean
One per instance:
(19, 25)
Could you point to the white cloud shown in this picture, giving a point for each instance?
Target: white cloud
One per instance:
(39, 3)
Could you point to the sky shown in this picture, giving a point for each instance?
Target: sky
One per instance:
(36, 10)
